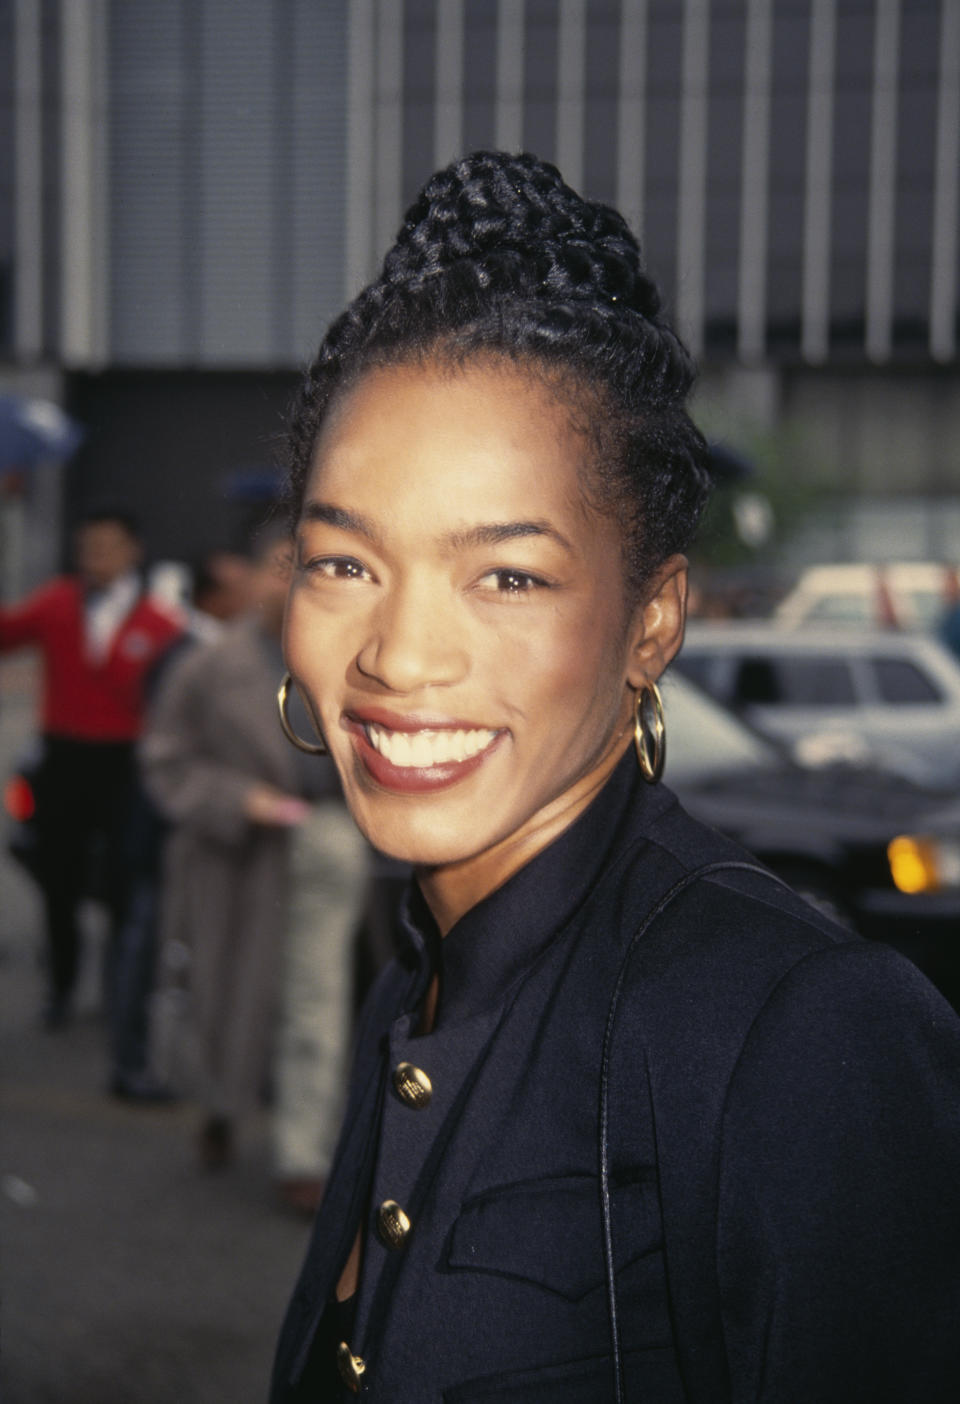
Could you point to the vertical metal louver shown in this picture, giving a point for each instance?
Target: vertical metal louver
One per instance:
(202, 182)
(227, 139)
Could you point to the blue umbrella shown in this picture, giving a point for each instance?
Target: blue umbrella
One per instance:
(34, 430)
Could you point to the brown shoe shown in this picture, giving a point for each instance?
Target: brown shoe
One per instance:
(215, 1143)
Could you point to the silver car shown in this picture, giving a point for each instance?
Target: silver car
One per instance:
(862, 695)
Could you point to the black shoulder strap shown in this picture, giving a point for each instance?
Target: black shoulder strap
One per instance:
(710, 1365)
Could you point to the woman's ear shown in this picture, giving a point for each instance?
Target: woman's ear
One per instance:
(656, 628)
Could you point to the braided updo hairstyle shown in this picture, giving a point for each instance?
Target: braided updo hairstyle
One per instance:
(498, 258)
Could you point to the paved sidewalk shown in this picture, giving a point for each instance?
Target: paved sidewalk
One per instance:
(126, 1275)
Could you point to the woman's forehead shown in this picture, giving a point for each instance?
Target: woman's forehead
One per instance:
(478, 431)
(480, 388)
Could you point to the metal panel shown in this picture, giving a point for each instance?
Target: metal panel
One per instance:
(815, 320)
(850, 186)
(883, 175)
(916, 161)
(227, 190)
(419, 93)
(946, 206)
(387, 194)
(149, 135)
(754, 202)
(448, 111)
(509, 98)
(601, 65)
(259, 153)
(691, 214)
(361, 139)
(724, 193)
(84, 228)
(631, 123)
(540, 78)
(479, 75)
(237, 112)
(317, 208)
(27, 183)
(571, 50)
(662, 153)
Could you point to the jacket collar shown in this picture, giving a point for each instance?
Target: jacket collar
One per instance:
(498, 939)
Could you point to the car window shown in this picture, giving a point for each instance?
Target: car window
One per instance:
(927, 606)
(757, 680)
(902, 683)
(841, 609)
(794, 681)
(818, 682)
(696, 666)
(704, 740)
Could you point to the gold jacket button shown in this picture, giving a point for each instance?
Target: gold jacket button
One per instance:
(412, 1085)
(392, 1224)
(350, 1367)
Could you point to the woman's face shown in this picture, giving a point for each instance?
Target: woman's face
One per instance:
(457, 620)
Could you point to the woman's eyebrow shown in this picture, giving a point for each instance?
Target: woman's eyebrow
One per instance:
(491, 533)
(482, 534)
(314, 511)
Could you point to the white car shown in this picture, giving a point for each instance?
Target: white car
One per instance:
(869, 696)
(902, 594)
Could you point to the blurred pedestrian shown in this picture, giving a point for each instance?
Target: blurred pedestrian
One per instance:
(221, 591)
(98, 635)
(949, 625)
(329, 864)
(216, 763)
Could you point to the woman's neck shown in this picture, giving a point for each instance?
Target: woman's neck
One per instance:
(451, 890)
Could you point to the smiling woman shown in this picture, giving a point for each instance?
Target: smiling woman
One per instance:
(625, 1112)
(459, 624)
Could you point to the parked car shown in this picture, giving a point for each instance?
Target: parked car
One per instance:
(878, 854)
(862, 695)
(899, 594)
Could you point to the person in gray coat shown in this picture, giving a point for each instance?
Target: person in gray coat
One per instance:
(218, 768)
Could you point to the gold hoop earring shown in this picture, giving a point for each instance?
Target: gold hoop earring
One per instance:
(650, 732)
(282, 698)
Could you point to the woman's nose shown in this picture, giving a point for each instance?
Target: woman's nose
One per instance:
(414, 643)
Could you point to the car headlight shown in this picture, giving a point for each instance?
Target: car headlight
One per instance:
(920, 863)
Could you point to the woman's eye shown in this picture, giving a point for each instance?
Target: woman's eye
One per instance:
(338, 568)
(514, 582)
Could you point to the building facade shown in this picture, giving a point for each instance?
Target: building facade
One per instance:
(196, 186)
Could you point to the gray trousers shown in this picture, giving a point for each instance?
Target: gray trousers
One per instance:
(329, 864)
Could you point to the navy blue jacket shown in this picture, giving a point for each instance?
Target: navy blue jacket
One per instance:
(784, 1143)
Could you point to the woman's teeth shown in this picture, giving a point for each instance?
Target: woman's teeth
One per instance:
(423, 749)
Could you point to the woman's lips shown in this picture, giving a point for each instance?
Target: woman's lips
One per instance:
(415, 758)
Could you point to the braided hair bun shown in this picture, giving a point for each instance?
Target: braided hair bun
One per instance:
(524, 230)
(497, 256)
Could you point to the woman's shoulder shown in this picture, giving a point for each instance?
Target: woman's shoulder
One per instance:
(672, 864)
(699, 919)
(714, 949)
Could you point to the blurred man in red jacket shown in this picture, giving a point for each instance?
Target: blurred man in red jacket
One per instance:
(98, 635)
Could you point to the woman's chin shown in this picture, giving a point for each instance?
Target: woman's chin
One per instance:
(420, 851)
(422, 841)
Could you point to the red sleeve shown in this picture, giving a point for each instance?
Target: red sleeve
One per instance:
(26, 623)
